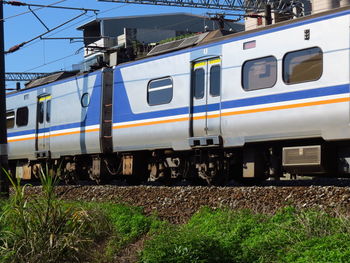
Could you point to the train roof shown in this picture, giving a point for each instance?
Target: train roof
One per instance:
(56, 76)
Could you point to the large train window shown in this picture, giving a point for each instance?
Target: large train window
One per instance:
(303, 65)
(198, 83)
(215, 80)
(22, 116)
(10, 119)
(260, 73)
(160, 91)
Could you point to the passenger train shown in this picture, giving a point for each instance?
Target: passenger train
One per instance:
(251, 105)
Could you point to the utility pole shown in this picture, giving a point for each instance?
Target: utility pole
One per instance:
(4, 185)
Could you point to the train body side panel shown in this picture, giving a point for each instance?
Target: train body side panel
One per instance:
(315, 109)
(75, 129)
(21, 140)
(307, 110)
(72, 130)
(139, 126)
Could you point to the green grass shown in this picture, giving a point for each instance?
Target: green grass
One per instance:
(242, 236)
(113, 226)
(128, 225)
(46, 229)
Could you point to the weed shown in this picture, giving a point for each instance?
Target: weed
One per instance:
(43, 229)
(224, 235)
(128, 224)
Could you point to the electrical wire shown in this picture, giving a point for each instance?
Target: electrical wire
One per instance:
(58, 31)
(29, 11)
(51, 62)
(87, 18)
(71, 25)
(18, 46)
(74, 24)
(110, 9)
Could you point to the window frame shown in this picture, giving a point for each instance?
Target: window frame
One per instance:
(242, 73)
(159, 79)
(298, 50)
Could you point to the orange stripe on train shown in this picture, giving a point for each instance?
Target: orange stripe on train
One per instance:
(52, 135)
(282, 107)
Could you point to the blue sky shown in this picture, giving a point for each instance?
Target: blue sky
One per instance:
(55, 55)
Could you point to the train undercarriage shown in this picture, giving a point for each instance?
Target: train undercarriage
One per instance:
(203, 165)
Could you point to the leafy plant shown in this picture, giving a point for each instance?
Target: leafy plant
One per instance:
(176, 38)
(44, 229)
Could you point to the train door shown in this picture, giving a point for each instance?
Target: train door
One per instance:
(42, 145)
(205, 108)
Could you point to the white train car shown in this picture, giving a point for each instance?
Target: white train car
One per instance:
(284, 88)
(253, 105)
(54, 120)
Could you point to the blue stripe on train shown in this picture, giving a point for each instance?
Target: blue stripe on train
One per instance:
(125, 115)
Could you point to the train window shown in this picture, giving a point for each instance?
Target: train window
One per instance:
(41, 112)
(215, 72)
(259, 73)
(303, 65)
(85, 100)
(10, 119)
(22, 116)
(160, 91)
(198, 83)
(48, 110)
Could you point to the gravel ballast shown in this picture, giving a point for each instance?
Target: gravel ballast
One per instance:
(177, 204)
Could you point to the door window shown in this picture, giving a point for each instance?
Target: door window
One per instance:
(198, 83)
(215, 78)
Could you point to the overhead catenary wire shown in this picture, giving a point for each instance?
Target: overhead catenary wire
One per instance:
(26, 12)
(17, 47)
(85, 19)
(51, 62)
(17, 3)
(65, 28)
(58, 31)
(71, 25)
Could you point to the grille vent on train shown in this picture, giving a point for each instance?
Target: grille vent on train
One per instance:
(302, 156)
(50, 78)
(177, 44)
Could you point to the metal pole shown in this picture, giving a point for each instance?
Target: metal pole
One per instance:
(4, 185)
(268, 15)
